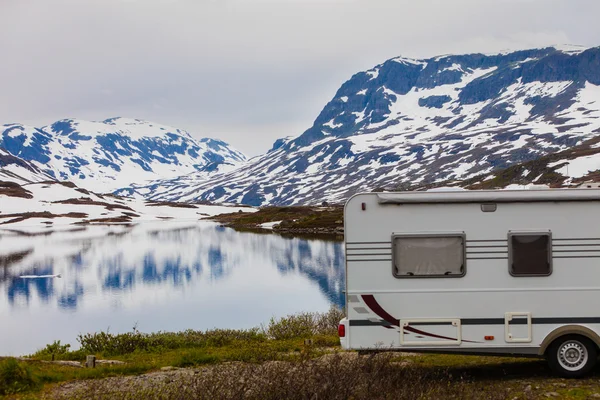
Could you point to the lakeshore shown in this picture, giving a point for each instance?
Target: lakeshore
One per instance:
(294, 357)
(288, 220)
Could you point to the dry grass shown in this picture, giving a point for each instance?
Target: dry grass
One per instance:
(342, 375)
(275, 362)
(334, 376)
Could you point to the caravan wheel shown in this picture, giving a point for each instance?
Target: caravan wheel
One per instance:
(572, 356)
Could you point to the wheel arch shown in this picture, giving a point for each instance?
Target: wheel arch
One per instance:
(569, 330)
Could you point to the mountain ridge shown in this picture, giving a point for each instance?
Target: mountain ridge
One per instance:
(409, 121)
(106, 155)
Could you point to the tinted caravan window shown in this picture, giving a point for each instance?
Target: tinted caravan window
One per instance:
(428, 256)
(530, 254)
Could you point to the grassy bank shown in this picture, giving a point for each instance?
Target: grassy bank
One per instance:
(295, 220)
(273, 361)
(279, 339)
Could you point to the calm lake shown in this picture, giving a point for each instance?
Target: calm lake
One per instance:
(166, 276)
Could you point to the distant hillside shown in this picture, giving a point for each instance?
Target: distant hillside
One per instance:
(111, 154)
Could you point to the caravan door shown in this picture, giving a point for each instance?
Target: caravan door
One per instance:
(517, 327)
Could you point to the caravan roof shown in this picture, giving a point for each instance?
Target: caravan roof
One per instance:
(492, 196)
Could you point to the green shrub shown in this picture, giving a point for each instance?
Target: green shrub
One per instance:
(15, 377)
(107, 343)
(110, 344)
(303, 325)
(296, 326)
(54, 349)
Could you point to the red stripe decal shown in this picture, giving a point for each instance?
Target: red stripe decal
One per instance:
(433, 335)
(370, 301)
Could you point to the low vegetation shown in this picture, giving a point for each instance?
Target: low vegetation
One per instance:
(15, 377)
(298, 220)
(295, 357)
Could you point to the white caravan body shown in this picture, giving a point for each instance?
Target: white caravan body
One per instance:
(488, 272)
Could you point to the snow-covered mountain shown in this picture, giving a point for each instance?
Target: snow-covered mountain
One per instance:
(111, 154)
(408, 121)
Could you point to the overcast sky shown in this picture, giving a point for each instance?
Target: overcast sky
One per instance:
(244, 71)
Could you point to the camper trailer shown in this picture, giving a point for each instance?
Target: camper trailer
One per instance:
(475, 272)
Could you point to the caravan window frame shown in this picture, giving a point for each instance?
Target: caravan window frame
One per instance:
(548, 234)
(435, 235)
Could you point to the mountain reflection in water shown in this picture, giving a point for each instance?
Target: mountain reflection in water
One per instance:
(168, 276)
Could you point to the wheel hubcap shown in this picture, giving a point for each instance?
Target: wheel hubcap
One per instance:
(572, 355)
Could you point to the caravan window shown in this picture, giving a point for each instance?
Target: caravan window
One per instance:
(428, 255)
(530, 254)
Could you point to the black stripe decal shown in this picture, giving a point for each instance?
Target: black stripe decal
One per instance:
(576, 251)
(366, 322)
(487, 247)
(575, 244)
(566, 320)
(492, 321)
(430, 323)
(477, 241)
(493, 252)
(370, 254)
(576, 239)
(368, 242)
(576, 257)
(369, 248)
(468, 258)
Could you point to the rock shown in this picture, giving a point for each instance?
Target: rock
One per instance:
(110, 362)
(336, 357)
(527, 388)
(552, 394)
(75, 364)
(404, 363)
(596, 396)
(169, 369)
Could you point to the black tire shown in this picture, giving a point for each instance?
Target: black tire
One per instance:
(572, 356)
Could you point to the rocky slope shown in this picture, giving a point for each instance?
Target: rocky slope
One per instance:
(16, 170)
(407, 122)
(578, 166)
